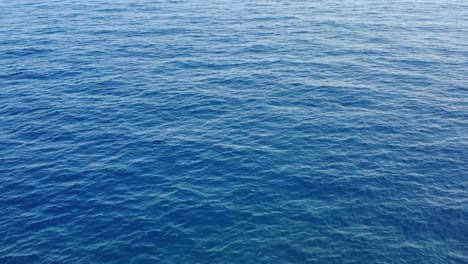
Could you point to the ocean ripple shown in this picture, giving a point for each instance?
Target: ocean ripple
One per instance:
(233, 132)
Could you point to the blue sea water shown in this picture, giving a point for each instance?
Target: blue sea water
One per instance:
(267, 131)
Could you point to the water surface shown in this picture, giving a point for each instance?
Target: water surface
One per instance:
(138, 131)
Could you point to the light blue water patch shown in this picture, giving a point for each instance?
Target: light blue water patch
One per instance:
(215, 131)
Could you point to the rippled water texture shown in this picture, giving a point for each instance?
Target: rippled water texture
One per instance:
(217, 131)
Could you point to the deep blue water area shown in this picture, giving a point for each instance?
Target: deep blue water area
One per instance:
(215, 131)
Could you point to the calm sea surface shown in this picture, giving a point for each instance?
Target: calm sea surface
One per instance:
(215, 131)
